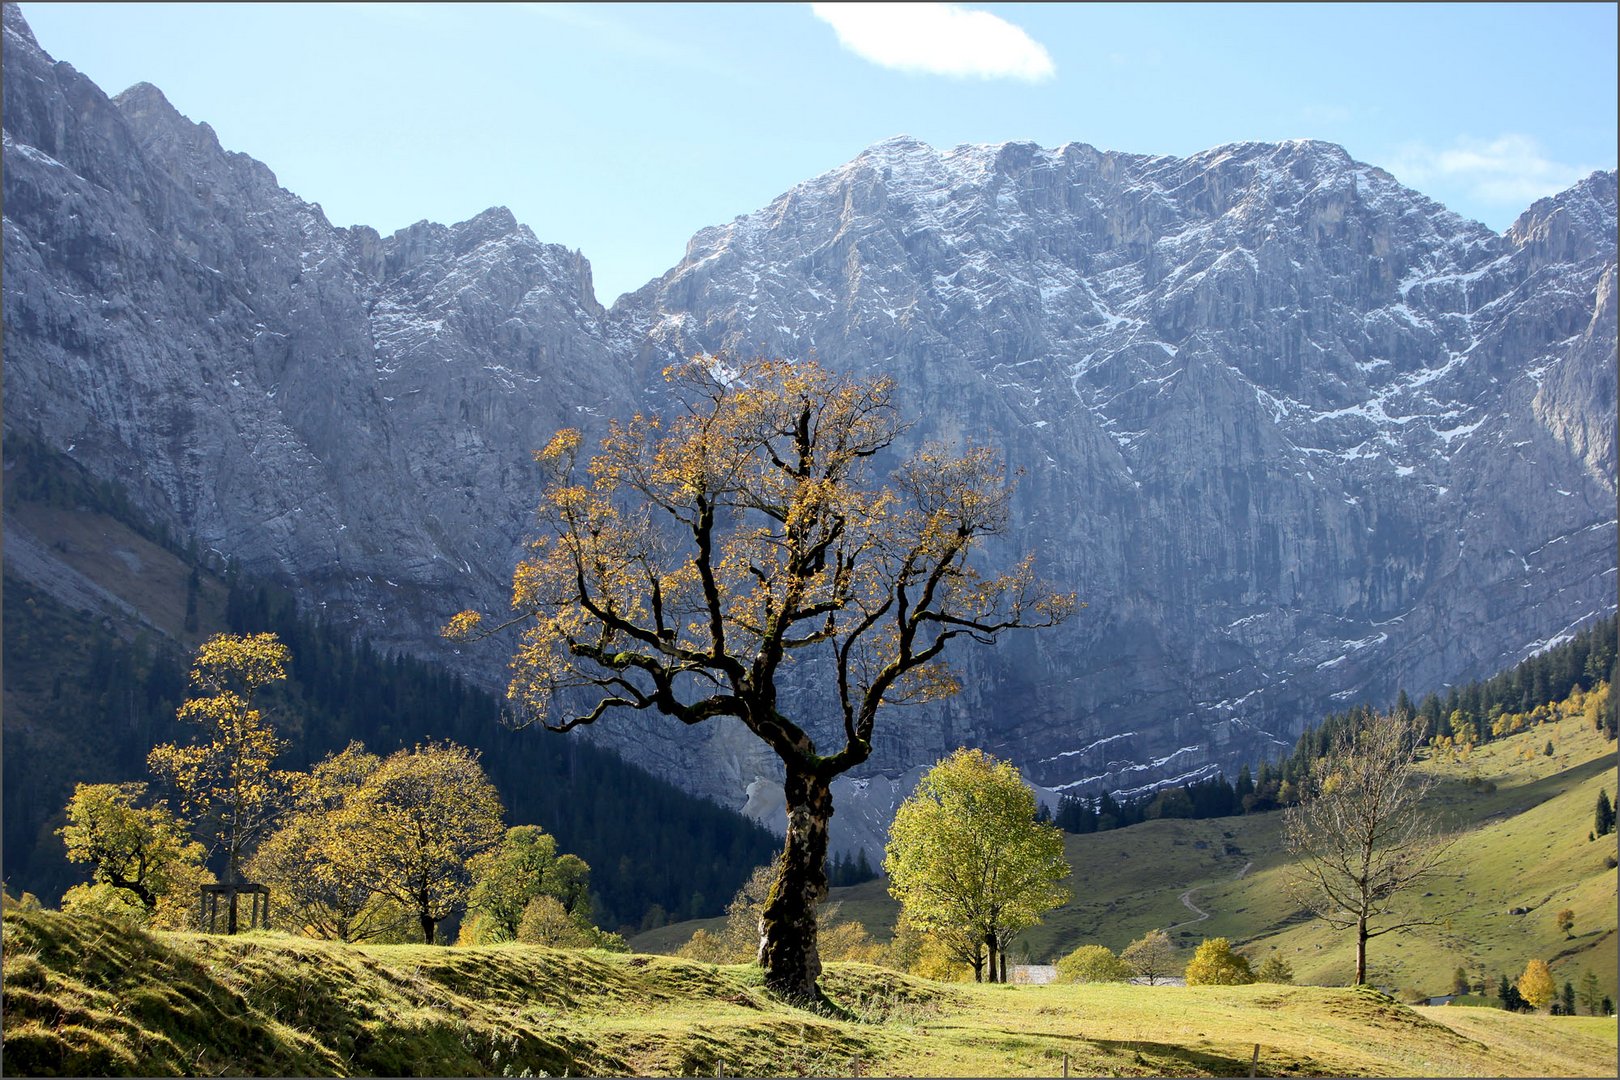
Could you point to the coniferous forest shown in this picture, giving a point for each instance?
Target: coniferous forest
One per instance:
(1471, 714)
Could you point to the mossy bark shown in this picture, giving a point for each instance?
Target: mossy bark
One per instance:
(787, 945)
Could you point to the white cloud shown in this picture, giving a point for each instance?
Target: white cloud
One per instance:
(1511, 170)
(937, 39)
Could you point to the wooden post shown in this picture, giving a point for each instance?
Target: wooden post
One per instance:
(1065, 1066)
(1254, 1062)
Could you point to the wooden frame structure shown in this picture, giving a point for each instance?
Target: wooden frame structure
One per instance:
(259, 913)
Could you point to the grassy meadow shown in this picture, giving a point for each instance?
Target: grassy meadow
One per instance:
(86, 997)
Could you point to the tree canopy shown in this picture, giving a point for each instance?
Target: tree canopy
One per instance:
(315, 863)
(139, 851)
(1215, 964)
(697, 560)
(417, 821)
(967, 857)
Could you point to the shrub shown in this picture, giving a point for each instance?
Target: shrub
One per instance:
(1092, 963)
(849, 941)
(546, 922)
(1215, 964)
(1274, 969)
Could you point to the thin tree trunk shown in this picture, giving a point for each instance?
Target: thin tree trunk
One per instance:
(428, 922)
(1361, 950)
(990, 944)
(787, 945)
(230, 895)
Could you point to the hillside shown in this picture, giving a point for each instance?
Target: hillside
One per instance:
(1523, 820)
(95, 667)
(84, 997)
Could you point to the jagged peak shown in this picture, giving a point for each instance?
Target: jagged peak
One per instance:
(905, 144)
(16, 24)
(494, 219)
(151, 114)
(1572, 223)
(495, 223)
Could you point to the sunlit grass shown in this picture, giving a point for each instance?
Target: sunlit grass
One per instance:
(85, 997)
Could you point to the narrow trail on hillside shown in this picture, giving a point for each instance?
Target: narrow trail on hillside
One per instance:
(1186, 900)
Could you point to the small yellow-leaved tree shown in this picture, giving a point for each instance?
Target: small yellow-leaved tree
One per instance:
(967, 858)
(1536, 985)
(141, 860)
(226, 784)
(1215, 964)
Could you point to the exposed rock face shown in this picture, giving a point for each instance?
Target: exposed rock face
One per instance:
(352, 412)
(1296, 434)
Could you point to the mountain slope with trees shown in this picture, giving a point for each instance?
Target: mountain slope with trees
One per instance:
(87, 697)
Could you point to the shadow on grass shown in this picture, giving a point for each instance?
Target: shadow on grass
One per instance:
(1171, 1059)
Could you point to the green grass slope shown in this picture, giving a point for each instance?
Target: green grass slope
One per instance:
(84, 997)
(1521, 818)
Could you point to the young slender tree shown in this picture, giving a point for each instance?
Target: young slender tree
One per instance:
(1362, 836)
(697, 560)
(1591, 992)
(1536, 985)
(1459, 981)
(966, 853)
(1151, 956)
(227, 787)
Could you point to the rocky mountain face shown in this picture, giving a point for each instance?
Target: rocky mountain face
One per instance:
(1296, 434)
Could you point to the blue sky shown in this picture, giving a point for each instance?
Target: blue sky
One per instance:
(623, 129)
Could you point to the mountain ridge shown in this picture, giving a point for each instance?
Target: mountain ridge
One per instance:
(1276, 414)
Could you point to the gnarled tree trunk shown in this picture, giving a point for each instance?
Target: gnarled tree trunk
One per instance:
(787, 925)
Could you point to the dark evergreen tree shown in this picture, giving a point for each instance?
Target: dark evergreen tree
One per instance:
(1508, 992)
(1244, 787)
(1604, 818)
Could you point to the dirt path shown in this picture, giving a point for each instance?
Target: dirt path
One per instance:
(1186, 900)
